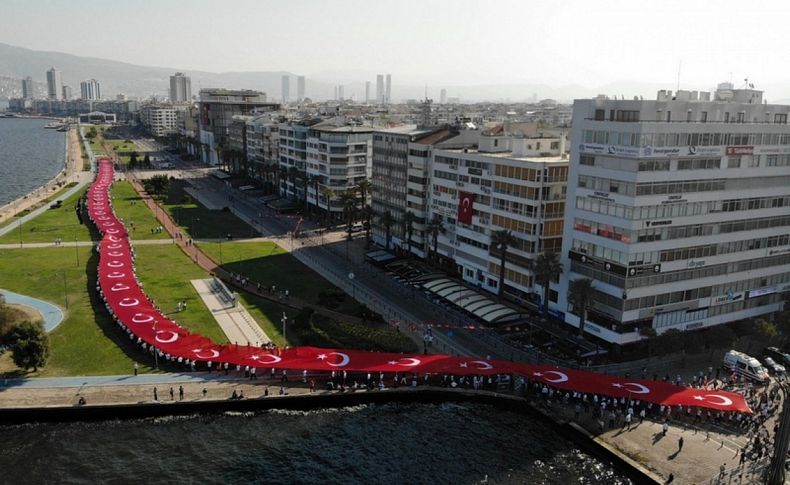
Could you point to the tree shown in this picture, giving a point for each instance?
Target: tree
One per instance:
(348, 199)
(408, 228)
(92, 133)
(668, 342)
(765, 329)
(434, 228)
(133, 160)
(367, 214)
(502, 240)
(719, 336)
(580, 294)
(364, 187)
(314, 180)
(147, 160)
(158, 184)
(30, 345)
(547, 268)
(387, 221)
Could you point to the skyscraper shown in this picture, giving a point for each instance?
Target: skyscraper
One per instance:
(443, 96)
(54, 84)
(90, 89)
(286, 89)
(367, 92)
(340, 93)
(180, 88)
(27, 88)
(66, 92)
(380, 89)
(300, 88)
(388, 95)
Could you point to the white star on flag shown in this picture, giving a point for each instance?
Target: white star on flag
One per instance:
(255, 357)
(617, 385)
(321, 356)
(463, 364)
(699, 398)
(392, 362)
(537, 374)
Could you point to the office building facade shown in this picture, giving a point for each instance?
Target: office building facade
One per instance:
(54, 84)
(27, 88)
(677, 209)
(180, 88)
(90, 90)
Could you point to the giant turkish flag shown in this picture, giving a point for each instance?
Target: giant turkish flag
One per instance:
(147, 325)
(465, 206)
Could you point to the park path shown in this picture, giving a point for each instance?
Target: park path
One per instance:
(51, 314)
(232, 317)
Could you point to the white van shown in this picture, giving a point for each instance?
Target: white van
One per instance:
(745, 365)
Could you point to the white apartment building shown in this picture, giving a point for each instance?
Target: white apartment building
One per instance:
(518, 184)
(161, 120)
(180, 88)
(263, 133)
(339, 157)
(678, 208)
(90, 90)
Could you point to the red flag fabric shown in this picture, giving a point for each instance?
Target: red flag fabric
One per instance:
(465, 207)
(149, 327)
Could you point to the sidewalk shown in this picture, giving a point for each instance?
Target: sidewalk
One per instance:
(233, 319)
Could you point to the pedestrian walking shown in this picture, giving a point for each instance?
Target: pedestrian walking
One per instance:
(156, 396)
(136, 368)
(180, 393)
(205, 391)
(172, 395)
(680, 444)
(664, 429)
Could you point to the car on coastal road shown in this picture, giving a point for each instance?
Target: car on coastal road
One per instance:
(773, 367)
(782, 358)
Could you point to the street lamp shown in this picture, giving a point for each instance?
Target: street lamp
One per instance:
(353, 285)
(284, 320)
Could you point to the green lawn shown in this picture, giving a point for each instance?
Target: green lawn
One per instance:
(87, 342)
(53, 223)
(200, 222)
(123, 149)
(138, 217)
(269, 264)
(98, 150)
(165, 272)
(48, 200)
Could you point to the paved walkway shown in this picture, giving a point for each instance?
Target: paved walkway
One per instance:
(51, 314)
(233, 319)
(84, 180)
(135, 242)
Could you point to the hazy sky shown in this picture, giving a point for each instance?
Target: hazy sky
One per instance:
(590, 42)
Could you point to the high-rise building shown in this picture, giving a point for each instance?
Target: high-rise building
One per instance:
(443, 96)
(90, 89)
(27, 88)
(217, 108)
(341, 93)
(367, 92)
(388, 93)
(66, 92)
(180, 88)
(54, 84)
(300, 88)
(380, 89)
(677, 210)
(286, 88)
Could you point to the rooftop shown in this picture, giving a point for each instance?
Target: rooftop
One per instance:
(509, 155)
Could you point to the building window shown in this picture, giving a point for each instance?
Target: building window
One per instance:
(587, 160)
(780, 118)
(627, 115)
(741, 117)
(669, 116)
(727, 117)
(703, 116)
(600, 115)
(734, 162)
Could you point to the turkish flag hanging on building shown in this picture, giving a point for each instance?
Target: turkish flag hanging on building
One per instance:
(465, 206)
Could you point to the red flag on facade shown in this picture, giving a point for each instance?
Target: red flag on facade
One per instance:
(465, 206)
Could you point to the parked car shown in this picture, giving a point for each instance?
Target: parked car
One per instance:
(773, 367)
(782, 358)
(357, 227)
(746, 366)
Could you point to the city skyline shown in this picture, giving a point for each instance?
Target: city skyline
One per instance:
(495, 49)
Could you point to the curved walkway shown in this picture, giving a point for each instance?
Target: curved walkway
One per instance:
(10, 227)
(52, 314)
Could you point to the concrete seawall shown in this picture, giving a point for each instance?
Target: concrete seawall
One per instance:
(302, 402)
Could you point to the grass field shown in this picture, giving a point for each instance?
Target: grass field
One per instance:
(54, 223)
(138, 217)
(56, 195)
(166, 272)
(87, 342)
(200, 222)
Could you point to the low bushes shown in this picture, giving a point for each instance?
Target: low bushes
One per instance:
(321, 331)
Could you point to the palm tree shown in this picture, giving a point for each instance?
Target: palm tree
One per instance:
(349, 201)
(387, 221)
(580, 292)
(364, 187)
(408, 228)
(367, 214)
(502, 240)
(434, 228)
(329, 194)
(293, 172)
(315, 180)
(547, 268)
(282, 174)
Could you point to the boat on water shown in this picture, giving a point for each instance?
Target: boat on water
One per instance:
(63, 128)
(53, 126)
